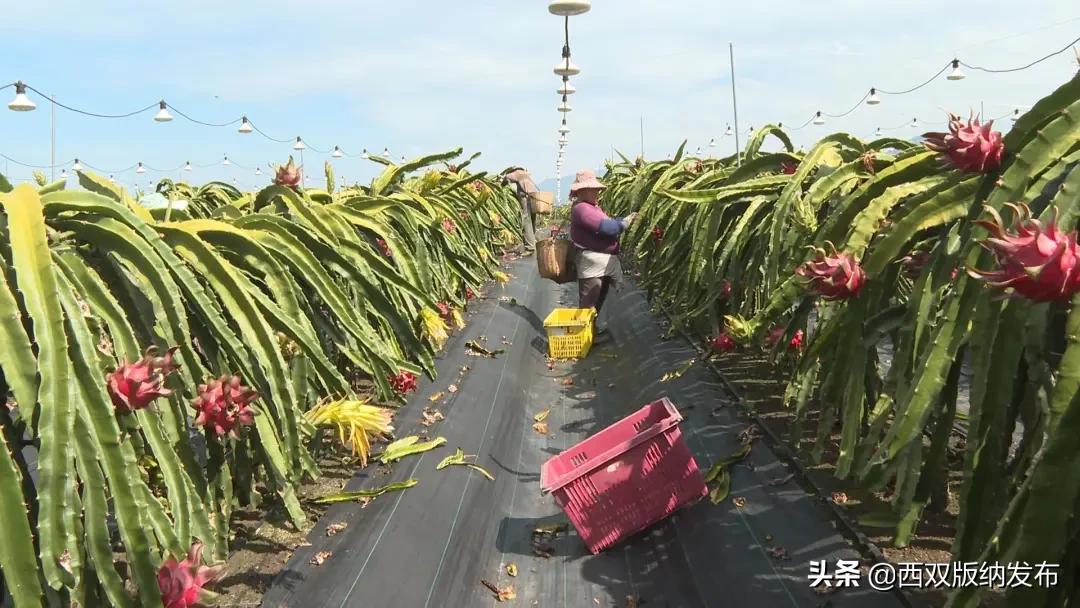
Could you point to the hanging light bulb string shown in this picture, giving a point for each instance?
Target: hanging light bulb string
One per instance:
(1023, 67)
(156, 170)
(953, 63)
(93, 114)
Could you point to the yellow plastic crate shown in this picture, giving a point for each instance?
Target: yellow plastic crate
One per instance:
(569, 332)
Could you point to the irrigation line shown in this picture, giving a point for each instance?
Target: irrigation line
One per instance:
(844, 525)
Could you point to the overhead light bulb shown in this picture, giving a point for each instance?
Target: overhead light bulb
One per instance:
(365, 154)
(566, 88)
(76, 166)
(712, 142)
(299, 145)
(873, 99)
(1015, 114)
(187, 167)
(698, 151)
(565, 107)
(569, 8)
(728, 131)
(386, 152)
(878, 133)
(245, 126)
(819, 119)
(226, 161)
(563, 128)
(163, 113)
(140, 169)
(63, 174)
(751, 130)
(565, 67)
(337, 152)
(111, 178)
(258, 170)
(563, 140)
(957, 73)
(914, 123)
(21, 103)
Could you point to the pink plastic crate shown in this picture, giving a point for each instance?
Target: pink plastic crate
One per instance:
(626, 477)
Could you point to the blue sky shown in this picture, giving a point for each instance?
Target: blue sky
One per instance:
(422, 77)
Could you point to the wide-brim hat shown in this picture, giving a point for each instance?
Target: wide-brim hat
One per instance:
(586, 179)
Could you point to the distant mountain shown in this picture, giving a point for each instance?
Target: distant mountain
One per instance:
(548, 185)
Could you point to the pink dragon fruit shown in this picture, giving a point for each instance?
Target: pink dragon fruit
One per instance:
(384, 248)
(403, 383)
(725, 289)
(182, 583)
(788, 168)
(469, 294)
(448, 225)
(1038, 262)
(796, 340)
(224, 404)
(723, 343)
(835, 276)
(914, 262)
(657, 235)
(135, 386)
(287, 175)
(971, 147)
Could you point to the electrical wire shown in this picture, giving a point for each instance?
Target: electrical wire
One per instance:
(260, 132)
(918, 86)
(1032, 64)
(94, 114)
(853, 108)
(18, 162)
(100, 170)
(199, 122)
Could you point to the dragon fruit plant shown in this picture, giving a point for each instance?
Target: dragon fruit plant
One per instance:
(970, 148)
(1038, 262)
(135, 386)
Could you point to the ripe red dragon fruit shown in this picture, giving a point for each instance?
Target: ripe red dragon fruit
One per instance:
(796, 340)
(1039, 262)
(287, 175)
(835, 276)
(469, 294)
(971, 147)
(448, 225)
(914, 262)
(725, 289)
(657, 235)
(182, 583)
(403, 383)
(444, 310)
(723, 343)
(224, 404)
(788, 168)
(477, 186)
(135, 386)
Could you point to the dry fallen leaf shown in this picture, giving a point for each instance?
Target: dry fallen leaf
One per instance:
(777, 552)
(782, 480)
(333, 529)
(542, 416)
(365, 501)
(511, 569)
(612, 385)
(567, 381)
(739, 501)
(452, 388)
(436, 396)
(319, 558)
(502, 594)
(631, 601)
(303, 544)
(541, 427)
(839, 498)
(430, 416)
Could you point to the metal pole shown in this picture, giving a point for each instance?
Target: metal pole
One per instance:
(643, 137)
(52, 127)
(735, 106)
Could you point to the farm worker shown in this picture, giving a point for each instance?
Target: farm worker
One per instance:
(596, 237)
(523, 186)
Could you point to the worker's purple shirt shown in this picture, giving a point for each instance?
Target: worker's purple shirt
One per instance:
(592, 229)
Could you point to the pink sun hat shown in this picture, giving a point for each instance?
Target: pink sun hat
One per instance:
(586, 179)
